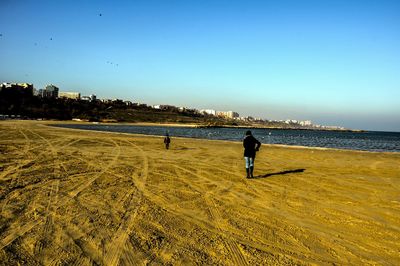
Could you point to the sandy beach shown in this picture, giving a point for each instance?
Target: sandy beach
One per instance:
(81, 198)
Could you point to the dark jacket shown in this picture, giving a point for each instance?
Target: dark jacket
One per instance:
(251, 145)
(167, 140)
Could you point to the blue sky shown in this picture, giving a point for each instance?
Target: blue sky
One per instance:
(334, 62)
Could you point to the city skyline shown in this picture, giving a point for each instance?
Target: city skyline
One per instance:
(332, 63)
(51, 91)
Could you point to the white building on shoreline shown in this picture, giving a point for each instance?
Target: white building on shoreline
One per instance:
(69, 95)
(208, 111)
(228, 114)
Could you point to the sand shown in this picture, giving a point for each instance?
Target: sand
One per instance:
(81, 197)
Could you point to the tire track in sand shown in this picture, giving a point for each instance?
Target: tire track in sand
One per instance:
(48, 219)
(86, 184)
(84, 242)
(231, 245)
(57, 163)
(17, 231)
(116, 247)
(22, 164)
(80, 238)
(231, 236)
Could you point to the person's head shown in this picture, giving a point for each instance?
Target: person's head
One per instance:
(248, 133)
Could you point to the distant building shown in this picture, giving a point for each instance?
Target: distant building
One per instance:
(86, 98)
(227, 114)
(249, 118)
(21, 88)
(232, 114)
(108, 101)
(7, 85)
(291, 121)
(208, 111)
(50, 91)
(91, 98)
(306, 123)
(69, 95)
(165, 107)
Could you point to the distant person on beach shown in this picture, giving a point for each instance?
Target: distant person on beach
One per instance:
(251, 146)
(167, 141)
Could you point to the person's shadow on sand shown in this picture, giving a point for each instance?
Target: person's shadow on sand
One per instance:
(301, 170)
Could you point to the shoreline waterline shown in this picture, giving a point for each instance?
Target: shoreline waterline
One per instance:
(348, 141)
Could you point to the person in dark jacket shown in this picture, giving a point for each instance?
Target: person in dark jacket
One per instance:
(251, 146)
(167, 141)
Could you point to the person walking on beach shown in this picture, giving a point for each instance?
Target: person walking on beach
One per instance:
(167, 141)
(251, 146)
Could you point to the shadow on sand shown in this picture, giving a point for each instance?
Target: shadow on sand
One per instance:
(281, 173)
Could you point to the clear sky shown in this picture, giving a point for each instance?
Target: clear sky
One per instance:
(334, 62)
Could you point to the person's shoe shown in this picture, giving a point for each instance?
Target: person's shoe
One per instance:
(251, 172)
(247, 173)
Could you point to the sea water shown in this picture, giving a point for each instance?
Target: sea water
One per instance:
(367, 141)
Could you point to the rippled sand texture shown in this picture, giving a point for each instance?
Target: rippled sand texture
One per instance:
(79, 197)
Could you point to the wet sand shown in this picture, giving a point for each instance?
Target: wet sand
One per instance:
(81, 197)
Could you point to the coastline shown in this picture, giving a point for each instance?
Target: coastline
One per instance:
(193, 126)
(202, 125)
(283, 128)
